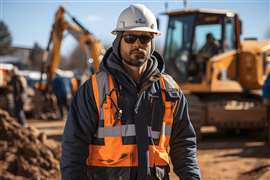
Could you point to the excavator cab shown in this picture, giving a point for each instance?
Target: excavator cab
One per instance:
(187, 50)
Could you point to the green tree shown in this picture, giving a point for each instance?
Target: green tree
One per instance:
(5, 39)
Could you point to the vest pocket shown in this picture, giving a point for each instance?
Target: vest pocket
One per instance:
(108, 156)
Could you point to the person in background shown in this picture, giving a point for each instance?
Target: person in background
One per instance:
(62, 91)
(209, 49)
(17, 87)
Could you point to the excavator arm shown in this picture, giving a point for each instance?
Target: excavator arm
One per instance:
(87, 41)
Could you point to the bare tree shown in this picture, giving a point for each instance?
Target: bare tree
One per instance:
(77, 59)
(35, 56)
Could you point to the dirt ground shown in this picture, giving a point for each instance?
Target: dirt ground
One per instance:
(234, 160)
(221, 156)
(233, 157)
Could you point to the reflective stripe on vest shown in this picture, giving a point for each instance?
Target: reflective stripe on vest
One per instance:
(129, 130)
(114, 153)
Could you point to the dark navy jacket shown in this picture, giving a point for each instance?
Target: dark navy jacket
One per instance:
(83, 118)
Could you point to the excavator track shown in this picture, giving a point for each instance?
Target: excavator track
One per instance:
(236, 113)
(196, 113)
(227, 112)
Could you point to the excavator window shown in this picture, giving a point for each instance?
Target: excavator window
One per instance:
(186, 40)
(178, 44)
(201, 32)
(229, 39)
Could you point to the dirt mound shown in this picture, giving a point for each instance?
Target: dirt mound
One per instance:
(25, 153)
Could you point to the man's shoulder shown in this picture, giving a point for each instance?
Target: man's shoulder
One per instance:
(97, 75)
(98, 79)
(172, 88)
(101, 74)
(101, 78)
(170, 83)
(86, 85)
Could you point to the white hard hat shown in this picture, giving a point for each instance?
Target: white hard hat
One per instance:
(136, 17)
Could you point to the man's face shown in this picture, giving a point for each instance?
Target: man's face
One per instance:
(210, 39)
(135, 47)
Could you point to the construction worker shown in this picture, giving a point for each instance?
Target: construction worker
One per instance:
(123, 119)
(17, 86)
(62, 91)
(209, 49)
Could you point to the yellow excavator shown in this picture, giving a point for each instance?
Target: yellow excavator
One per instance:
(52, 56)
(87, 41)
(224, 90)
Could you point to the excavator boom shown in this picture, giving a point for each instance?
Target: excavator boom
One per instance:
(87, 41)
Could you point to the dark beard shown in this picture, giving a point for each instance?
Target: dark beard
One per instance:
(137, 63)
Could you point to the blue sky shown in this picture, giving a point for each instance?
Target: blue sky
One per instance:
(31, 20)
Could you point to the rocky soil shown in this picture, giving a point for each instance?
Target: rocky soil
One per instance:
(25, 153)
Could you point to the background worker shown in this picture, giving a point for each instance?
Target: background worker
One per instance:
(125, 117)
(62, 91)
(17, 87)
(209, 49)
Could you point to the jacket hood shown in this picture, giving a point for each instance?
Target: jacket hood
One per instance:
(112, 63)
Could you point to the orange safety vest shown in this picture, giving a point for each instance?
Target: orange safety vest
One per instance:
(113, 153)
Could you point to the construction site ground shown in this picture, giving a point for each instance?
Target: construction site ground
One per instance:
(221, 156)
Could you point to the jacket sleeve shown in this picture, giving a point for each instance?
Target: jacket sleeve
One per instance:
(183, 143)
(80, 126)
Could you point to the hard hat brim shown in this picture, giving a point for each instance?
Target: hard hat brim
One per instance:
(143, 29)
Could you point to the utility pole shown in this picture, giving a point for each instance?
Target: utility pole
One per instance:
(166, 6)
(185, 3)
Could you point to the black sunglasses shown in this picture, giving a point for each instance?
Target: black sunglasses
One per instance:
(144, 39)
